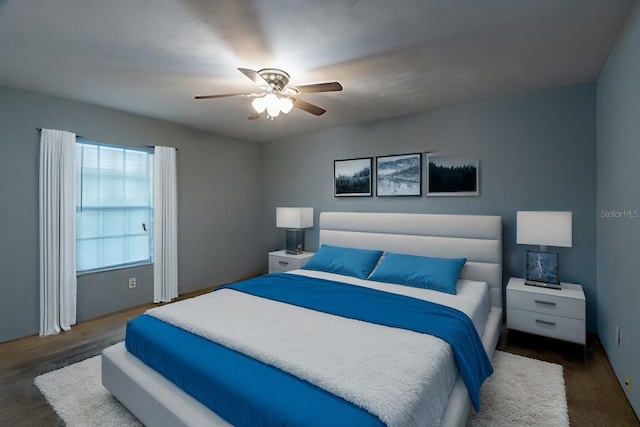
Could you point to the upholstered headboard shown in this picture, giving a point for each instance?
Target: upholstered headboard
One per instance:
(475, 237)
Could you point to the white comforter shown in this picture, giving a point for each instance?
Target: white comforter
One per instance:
(403, 377)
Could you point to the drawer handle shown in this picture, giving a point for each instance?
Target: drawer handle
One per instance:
(549, 303)
(283, 262)
(546, 323)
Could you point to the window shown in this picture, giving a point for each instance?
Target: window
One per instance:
(114, 206)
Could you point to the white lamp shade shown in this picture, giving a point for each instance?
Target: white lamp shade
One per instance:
(544, 228)
(294, 217)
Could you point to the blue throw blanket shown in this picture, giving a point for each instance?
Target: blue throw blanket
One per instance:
(242, 390)
(383, 308)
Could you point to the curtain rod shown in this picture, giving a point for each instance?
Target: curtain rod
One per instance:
(82, 137)
(77, 136)
(153, 146)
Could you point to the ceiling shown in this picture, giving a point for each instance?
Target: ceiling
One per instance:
(393, 58)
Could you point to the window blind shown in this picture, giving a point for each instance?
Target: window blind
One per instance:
(114, 206)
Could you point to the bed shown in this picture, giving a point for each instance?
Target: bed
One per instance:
(156, 401)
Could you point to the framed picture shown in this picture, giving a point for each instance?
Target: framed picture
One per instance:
(452, 175)
(399, 175)
(352, 177)
(542, 267)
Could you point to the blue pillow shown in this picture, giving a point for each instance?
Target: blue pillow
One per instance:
(347, 261)
(439, 274)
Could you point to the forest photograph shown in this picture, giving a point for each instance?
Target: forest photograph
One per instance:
(352, 177)
(451, 176)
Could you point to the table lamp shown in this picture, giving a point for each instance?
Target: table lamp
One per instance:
(543, 228)
(295, 220)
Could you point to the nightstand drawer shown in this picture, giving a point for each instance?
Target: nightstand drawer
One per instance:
(546, 304)
(280, 261)
(562, 328)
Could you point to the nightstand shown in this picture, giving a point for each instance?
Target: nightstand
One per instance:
(280, 261)
(554, 313)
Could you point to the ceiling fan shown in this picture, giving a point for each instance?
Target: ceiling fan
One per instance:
(276, 97)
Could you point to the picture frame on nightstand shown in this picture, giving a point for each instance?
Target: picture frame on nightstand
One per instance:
(542, 269)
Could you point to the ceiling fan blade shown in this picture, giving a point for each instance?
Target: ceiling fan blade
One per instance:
(308, 107)
(319, 87)
(220, 96)
(254, 76)
(253, 115)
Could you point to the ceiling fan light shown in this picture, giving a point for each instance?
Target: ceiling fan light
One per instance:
(286, 104)
(273, 104)
(259, 104)
(273, 110)
(271, 99)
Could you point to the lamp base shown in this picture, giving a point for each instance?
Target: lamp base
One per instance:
(294, 241)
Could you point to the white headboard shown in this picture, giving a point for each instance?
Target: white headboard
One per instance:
(475, 237)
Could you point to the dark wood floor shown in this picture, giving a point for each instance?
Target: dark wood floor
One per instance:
(21, 403)
(594, 396)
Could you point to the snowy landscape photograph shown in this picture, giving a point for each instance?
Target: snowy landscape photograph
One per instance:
(399, 175)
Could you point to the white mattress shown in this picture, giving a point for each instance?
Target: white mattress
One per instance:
(472, 298)
(339, 354)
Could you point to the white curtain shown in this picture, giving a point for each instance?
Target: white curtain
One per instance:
(165, 225)
(57, 231)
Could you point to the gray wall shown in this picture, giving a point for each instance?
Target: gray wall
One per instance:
(219, 206)
(618, 201)
(537, 151)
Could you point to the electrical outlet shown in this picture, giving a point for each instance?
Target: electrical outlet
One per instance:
(627, 382)
(132, 282)
(618, 335)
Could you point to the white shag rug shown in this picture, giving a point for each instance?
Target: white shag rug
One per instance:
(77, 395)
(521, 392)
